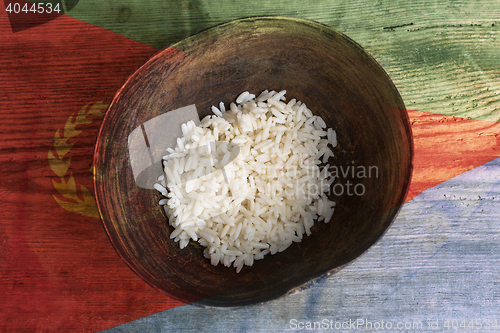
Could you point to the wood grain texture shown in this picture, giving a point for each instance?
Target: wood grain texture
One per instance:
(58, 271)
(438, 261)
(443, 56)
(447, 146)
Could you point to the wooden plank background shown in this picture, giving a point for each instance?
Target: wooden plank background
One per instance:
(442, 56)
(439, 260)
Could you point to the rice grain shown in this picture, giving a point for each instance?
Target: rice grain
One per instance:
(264, 199)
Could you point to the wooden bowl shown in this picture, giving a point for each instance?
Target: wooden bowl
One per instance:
(317, 65)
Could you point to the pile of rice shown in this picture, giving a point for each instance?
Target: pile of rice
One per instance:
(263, 200)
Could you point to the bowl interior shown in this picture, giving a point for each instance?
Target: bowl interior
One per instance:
(326, 70)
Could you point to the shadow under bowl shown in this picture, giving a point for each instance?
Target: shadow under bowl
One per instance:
(315, 64)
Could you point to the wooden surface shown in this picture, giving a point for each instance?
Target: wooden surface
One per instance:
(443, 56)
(438, 261)
(58, 270)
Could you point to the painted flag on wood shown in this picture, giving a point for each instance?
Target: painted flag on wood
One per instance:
(447, 146)
(58, 269)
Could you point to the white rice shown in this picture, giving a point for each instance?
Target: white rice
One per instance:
(264, 199)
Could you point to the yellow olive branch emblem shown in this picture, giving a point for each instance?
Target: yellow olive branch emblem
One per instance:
(66, 186)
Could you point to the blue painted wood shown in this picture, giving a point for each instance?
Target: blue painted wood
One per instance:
(439, 261)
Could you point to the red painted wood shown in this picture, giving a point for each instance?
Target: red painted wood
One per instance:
(58, 270)
(447, 146)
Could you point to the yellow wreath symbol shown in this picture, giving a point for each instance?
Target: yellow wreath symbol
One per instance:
(68, 189)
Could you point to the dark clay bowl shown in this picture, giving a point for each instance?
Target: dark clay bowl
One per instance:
(317, 65)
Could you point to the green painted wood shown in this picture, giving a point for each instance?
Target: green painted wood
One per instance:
(442, 56)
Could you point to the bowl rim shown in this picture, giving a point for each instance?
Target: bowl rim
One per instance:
(276, 18)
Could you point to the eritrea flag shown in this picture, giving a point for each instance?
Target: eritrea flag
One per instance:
(58, 269)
